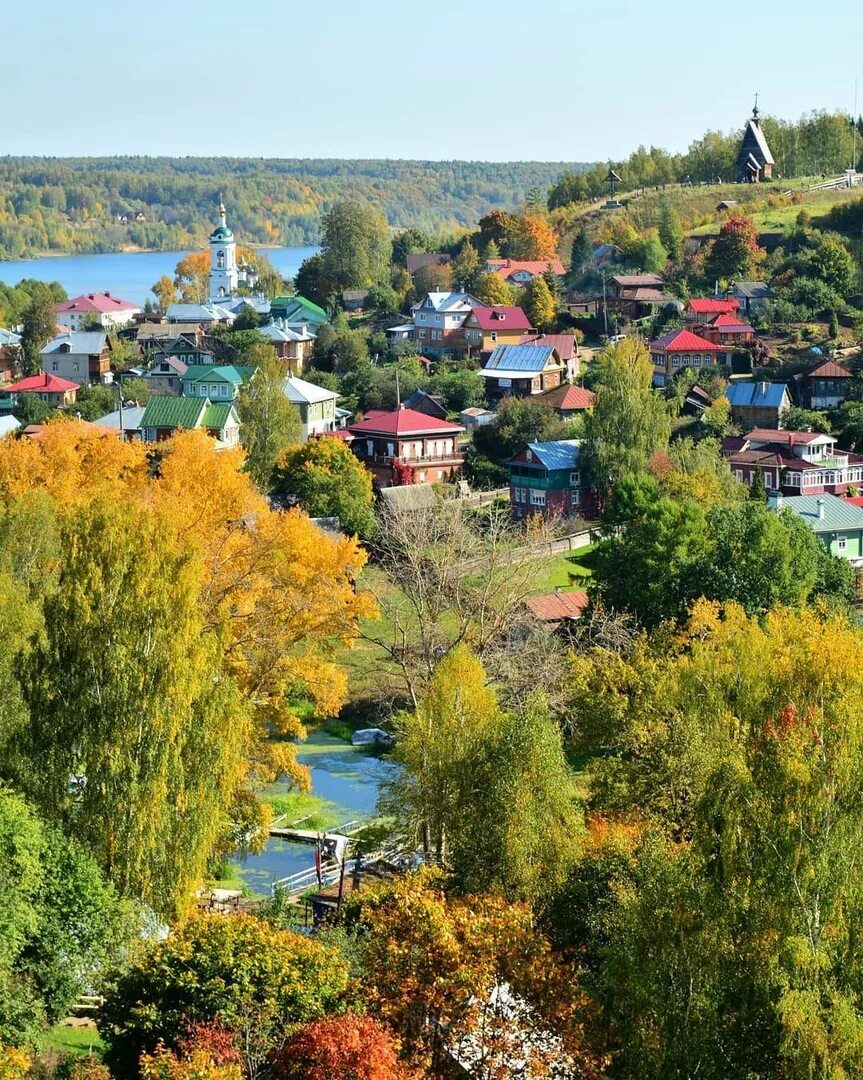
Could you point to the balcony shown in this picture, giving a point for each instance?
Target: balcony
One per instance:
(453, 458)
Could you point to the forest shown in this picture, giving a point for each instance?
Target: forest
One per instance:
(79, 204)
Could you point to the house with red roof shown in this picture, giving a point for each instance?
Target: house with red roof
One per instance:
(404, 446)
(679, 349)
(793, 462)
(703, 309)
(91, 308)
(487, 327)
(559, 608)
(730, 330)
(827, 385)
(52, 389)
(568, 400)
(522, 271)
(565, 346)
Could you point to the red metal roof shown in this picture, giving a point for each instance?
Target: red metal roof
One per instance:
(501, 318)
(44, 383)
(706, 305)
(568, 398)
(564, 343)
(507, 267)
(558, 605)
(785, 438)
(104, 303)
(402, 422)
(727, 321)
(684, 341)
(830, 370)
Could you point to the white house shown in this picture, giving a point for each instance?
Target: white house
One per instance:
(109, 311)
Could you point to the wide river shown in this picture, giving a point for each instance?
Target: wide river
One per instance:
(127, 275)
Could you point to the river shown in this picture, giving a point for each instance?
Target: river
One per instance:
(128, 275)
(344, 775)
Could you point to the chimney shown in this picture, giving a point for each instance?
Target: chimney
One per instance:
(762, 386)
(821, 509)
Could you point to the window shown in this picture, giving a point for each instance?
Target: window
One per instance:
(440, 474)
(841, 543)
(493, 335)
(75, 365)
(696, 361)
(370, 447)
(675, 361)
(391, 450)
(537, 498)
(437, 335)
(739, 474)
(53, 365)
(575, 497)
(421, 334)
(220, 260)
(422, 476)
(686, 360)
(575, 478)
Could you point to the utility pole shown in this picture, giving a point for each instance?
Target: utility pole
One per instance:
(604, 305)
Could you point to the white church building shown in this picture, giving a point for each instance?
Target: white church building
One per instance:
(224, 274)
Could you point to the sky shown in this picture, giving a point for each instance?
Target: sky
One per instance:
(495, 80)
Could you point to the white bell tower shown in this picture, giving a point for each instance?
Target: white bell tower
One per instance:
(223, 260)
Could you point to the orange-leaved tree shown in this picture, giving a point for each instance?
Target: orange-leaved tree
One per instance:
(341, 1048)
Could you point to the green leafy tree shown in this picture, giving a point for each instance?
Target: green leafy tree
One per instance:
(671, 231)
(797, 419)
(465, 268)
(95, 401)
(581, 254)
(152, 722)
(269, 423)
(539, 305)
(629, 422)
(355, 246)
(313, 281)
(329, 481)
(757, 489)
(38, 327)
(834, 264)
(255, 980)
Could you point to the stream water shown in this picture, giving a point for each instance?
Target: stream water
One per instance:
(344, 775)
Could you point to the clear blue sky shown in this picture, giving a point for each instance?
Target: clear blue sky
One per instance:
(481, 79)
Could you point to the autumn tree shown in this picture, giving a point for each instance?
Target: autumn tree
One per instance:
(735, 252)
(532, 237)
(192, 277)
(255, 980)
(165, 292)
(269, 423)
(539, 304)
(492, 290)
(355, 246)
(38, 327)
(436, 277)
(329, 481)
(629, 421)
(341, 1048)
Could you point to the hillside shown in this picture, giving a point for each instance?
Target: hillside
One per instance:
(76, 204)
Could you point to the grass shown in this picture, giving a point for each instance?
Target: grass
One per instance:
(556, 572)
(63, 1039)
(311, 809)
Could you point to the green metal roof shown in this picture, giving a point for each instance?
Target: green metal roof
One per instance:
(221, 232)
(216, 373)
(173, 412)
(217, 415)
(298, 309)
(838, 513)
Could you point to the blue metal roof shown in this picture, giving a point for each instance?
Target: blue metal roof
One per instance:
(519, 357)
(756, 394)
(560, 454)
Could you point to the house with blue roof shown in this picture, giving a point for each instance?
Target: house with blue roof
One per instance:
(758, 404)
(522, 370)
(548, 478)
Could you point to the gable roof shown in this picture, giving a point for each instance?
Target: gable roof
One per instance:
(217, 414)
(702, 305)
(403, 422)
(769, 395)
(730, 324)
(427, 403)
(500, 317)
(522, 359)
(635, 280)
(683, 341)
(174, 412)
(9, 337)
(505, 268)
(568, 398)
(557, 454)
(42, 381)
(90, 342)
(177, 366)
(752, 290)
(781, 437)
(838, 513)
(300, 392)
(753, 133)
(559, 605)
(103, 303)
(216, 373)
(830, 370)
(450, 301)
(564, 343)
(131, 418)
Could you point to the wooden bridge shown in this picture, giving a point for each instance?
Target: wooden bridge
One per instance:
(311, 836)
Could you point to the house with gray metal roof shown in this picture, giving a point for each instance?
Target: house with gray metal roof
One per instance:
(838, 523)
(316, 406)
(758, 404)
(80, 356)
(522, 370)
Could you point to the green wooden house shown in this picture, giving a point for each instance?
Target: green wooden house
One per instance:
(165, 416)
(838, 523)
(218, 382)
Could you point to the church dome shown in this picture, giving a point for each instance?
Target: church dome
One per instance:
(221, 232)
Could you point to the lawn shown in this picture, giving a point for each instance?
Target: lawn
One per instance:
(64, 1039)
(556, 572)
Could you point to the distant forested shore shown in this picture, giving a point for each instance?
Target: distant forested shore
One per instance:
(79, 205)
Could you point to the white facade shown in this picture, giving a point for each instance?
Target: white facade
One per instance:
(224, 276)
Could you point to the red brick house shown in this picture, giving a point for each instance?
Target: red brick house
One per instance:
(403, 446)
(793, 462)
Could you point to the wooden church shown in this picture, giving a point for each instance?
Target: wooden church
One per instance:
(754, 160)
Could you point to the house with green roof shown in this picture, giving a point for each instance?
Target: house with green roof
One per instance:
(838, 523)
(165, 416)
(297, 309)
(218, 382)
